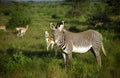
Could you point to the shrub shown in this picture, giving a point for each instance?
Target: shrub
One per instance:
(98, 18)
(75, 9)
(3, 62)
(95, 12)
(16, 61)
(19, 18)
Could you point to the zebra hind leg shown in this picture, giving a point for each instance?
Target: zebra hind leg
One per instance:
(98, 57)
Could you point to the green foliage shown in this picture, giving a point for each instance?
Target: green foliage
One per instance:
(75, 9)
(96, 12)
(3, 62)
(28, 58)
(99, 18)
(20, 15)
(19, 58)
(114, 6)
(19, 18)
(6, 9)
(15, 61)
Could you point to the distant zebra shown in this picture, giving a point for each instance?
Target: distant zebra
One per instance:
(77, 42)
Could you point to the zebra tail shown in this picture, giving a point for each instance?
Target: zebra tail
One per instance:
(103, 49)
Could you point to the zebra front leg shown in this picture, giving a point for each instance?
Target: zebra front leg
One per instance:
(69, 58)
(64, 59)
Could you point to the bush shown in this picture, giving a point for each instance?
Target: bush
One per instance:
(75, 9)
(96, 13)
(19, 18)
(97, 18)
(3, 62)
(16, 61)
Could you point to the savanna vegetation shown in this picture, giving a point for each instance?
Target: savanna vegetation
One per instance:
(27, 57)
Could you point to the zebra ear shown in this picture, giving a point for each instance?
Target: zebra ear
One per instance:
(61, 26)
(52, 26)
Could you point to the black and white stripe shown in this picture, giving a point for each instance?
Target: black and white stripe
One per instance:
(77, 42)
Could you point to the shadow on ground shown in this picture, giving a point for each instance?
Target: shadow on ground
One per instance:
(39, 54)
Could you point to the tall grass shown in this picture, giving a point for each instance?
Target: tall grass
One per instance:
(27, 57)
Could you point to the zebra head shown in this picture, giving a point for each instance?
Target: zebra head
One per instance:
(58, 32)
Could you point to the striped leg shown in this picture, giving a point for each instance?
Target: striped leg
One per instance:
(97, 54)
(69, 58)
(98, 58)
(64, 59)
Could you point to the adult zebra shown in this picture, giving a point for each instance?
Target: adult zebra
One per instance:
(77, 42)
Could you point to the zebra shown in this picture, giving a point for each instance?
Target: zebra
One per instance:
(77, 42)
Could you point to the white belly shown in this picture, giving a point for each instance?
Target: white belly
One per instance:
(81, 49)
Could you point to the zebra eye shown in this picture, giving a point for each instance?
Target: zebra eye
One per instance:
(59, 41)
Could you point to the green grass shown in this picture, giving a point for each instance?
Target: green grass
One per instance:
(27, 57)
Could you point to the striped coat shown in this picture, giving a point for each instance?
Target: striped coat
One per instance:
(77, 42)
